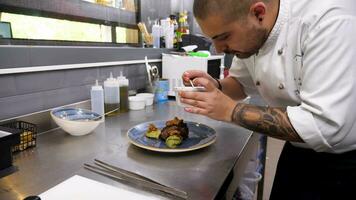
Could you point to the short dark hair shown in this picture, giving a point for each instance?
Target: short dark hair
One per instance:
(230, 9)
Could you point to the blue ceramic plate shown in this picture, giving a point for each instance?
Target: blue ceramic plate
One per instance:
(200, 136)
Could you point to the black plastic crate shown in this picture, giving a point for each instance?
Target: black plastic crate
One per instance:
(28, 135)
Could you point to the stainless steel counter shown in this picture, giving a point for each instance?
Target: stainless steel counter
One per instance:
(59, 156)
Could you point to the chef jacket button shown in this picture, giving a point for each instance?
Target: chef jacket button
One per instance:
(280, 51)
(281, 86)
(258, 83)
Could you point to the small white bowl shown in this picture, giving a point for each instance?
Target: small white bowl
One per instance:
(76, 121)
(137, 103)
(186, 89)
(148, 96)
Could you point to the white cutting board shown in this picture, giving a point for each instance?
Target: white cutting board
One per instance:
(80, 188)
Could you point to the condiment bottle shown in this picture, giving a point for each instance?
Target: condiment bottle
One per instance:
(124, 93)
(111, 96)
(97, 99)
(156, 33)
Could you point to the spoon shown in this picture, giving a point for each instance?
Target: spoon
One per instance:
(191, 83)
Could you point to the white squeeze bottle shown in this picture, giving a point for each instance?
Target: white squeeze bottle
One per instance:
(97, 98)
(156, 33)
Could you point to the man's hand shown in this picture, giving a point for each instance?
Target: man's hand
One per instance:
(192, 74)
(212, 103)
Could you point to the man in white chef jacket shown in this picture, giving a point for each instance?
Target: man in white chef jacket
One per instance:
(300, 57)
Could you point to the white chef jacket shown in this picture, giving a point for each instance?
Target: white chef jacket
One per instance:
(308, 64)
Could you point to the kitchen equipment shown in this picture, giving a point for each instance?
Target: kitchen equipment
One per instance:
(153, 75)
(124, 93)
(8, 138)
(189, 48)
(148, 97)
(146, 36)
(173, 67)
(186, 89)
(32, 198)
(97, 99)
(156, 33)
(76, 121)
(28, 134)
(137, 103)
(200, 136)
(111, 171)
(201, 42)
(111, 96)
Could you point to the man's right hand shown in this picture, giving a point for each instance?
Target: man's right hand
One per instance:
(192, 74)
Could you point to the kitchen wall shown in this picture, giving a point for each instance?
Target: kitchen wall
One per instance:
(154, 9)
(24, 93)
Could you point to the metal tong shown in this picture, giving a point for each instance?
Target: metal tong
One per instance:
(111, 171)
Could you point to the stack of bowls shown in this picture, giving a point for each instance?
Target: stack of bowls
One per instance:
(140, 101)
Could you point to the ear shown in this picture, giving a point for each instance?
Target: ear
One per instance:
(258, 10)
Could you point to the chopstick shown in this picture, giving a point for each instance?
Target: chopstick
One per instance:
(123, 171)
(121, 174)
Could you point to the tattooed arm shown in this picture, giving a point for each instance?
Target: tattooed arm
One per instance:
(273, 122)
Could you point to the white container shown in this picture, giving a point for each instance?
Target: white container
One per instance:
(148, 96)
(97, 99)
(156, 33)
(186, 89)
(137, 103)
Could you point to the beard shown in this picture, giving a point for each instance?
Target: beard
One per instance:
(255, 37)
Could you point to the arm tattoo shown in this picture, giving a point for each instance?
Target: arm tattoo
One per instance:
(273, 122)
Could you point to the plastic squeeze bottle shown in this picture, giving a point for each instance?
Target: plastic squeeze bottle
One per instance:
(111, 96)
(97, 98)
(124, 93)
(156, 33)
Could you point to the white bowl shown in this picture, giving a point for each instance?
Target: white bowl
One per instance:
(76, 121)
(137, 103)
(148, 96)
(186, 89)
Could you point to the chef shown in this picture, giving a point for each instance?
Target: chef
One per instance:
(300, 57)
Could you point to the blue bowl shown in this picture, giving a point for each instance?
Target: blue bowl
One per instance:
(76, 121)
(76, 114)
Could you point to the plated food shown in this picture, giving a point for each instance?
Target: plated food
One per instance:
(192, 135)
(173, 133)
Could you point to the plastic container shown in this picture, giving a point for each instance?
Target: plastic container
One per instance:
(137, 103)
(28, 135)
(156, 33)
(97, 99)
(149, 97)
(186, 89)
(124, 93)
(161, 90)
(111, 96)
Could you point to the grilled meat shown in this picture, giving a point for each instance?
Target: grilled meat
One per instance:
(175, 127)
